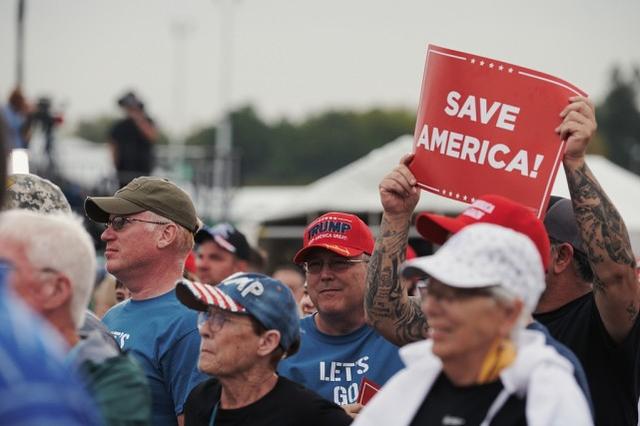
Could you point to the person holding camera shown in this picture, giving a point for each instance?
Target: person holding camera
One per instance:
(132, 139)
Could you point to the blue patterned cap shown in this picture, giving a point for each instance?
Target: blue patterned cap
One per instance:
(266, 299)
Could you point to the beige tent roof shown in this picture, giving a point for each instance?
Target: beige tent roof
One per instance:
(354, 188)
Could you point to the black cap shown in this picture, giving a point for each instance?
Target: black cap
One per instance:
(130, 99)
(561, 224)
(227, 237)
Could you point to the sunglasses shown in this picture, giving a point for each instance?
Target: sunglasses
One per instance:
(118, 222)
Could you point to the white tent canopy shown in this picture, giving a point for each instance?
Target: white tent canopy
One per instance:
(354, 188)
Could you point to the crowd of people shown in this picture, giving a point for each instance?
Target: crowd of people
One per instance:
(514, 320)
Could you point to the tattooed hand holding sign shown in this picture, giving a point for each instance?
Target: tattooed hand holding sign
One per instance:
(605, 236)
(389, 308)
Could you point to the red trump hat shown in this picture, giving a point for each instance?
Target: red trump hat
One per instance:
(342, 233)
(488, 209)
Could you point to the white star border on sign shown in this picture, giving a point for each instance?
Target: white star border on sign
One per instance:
(491, 65)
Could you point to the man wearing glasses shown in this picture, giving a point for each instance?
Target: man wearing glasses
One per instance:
(57, 284)
(248, 323)
(149, 233)
(338, 348)
(592, 299)
(33, 357)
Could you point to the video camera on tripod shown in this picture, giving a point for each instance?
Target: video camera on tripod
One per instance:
(43, 115)
(47, 120)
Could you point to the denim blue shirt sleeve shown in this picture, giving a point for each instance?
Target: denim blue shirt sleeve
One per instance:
(36, 387)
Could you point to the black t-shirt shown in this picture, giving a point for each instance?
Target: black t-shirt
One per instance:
(134, 150)
(287, 404)
(447, 404)
(613, 370)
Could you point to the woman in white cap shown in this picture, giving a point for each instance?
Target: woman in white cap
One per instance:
(479, 365)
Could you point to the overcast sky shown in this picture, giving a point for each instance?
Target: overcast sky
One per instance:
(296, 57)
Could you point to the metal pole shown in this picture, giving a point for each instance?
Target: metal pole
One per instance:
(20, 44)
(222, 165)
(180, 31)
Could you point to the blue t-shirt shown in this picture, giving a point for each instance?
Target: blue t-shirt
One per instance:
(334, 366)
(36, 387)
(15, 121)
(162, 334)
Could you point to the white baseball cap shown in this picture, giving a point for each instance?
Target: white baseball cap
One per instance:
(487, 255)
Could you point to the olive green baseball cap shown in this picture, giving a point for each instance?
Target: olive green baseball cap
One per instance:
(158, 195)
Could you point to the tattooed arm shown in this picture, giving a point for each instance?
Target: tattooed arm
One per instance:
(616, 288)
(389, 308)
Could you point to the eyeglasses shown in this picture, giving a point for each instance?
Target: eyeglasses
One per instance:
(118, 222)
(216, 319)
(335, 264)
(450, 294)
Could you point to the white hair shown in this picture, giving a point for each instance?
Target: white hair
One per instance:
(56, 241)
(502, 295)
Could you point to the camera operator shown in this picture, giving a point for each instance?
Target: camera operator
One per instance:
(43, 117)
(131, 140)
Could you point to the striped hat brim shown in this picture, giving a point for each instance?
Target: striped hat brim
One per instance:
(200, 297)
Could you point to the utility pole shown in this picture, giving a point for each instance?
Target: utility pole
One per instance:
(223, 162)
(20, 43)
(180, 29)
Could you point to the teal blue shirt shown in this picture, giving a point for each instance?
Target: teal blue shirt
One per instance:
(161, 333)
(334, 366)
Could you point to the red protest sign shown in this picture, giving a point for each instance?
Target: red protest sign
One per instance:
(487, 126)
(368, 389)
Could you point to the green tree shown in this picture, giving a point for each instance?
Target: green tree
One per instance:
(95, 129)
(253, 144)
(336, 138)
(619, 119)
(288, 153)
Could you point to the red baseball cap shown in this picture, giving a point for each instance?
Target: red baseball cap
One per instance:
(190, 263)
(342, 233)
(488, 209)
(410, 253)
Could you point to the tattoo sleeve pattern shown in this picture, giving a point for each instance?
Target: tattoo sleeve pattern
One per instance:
(386, 302)
(604, 233)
